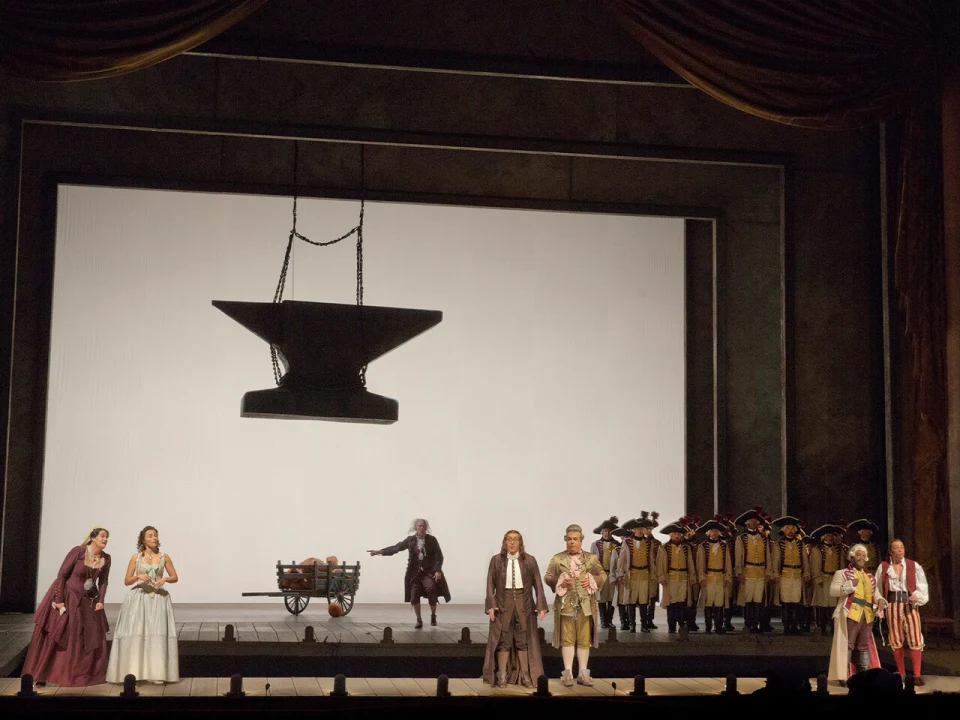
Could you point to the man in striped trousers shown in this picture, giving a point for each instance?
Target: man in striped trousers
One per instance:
(903, 585)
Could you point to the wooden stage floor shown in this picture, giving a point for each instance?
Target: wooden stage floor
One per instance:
(427, 687)
(270, 642)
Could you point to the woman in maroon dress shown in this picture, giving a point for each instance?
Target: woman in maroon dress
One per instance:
(69, 645)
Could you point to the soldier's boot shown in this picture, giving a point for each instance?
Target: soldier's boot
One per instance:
(718, 614)
(633, 617)
(672, 617)
(708, 620)
(624, 617)
(864, 661)
(651, 610)
(610, 622)
(602, 612)
(766, 612)
(690, 618)
(728, 618)
(804, 613)
(787, 611)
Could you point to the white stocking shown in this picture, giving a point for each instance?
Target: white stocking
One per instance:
(583, 655)
(567, 653)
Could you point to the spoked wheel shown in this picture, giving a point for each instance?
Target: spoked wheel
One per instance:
(341, 592)
(296, 604)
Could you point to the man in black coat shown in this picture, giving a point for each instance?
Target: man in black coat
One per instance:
(424, 576)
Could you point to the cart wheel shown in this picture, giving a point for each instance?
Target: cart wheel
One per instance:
(296, 604)
(340, 591)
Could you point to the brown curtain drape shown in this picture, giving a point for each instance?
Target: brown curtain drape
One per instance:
(844, 64)
(89, 39)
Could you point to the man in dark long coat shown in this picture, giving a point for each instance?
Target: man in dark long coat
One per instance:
(513, 648)
(424, 576)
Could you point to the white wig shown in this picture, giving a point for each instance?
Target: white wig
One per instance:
(413, 525)
(855, 549)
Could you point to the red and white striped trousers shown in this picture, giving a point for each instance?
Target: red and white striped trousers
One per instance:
(904, 620)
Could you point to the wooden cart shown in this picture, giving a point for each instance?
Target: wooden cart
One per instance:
(298, 583)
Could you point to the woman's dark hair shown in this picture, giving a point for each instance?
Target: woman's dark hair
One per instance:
(140, 544)
(503, 547)
(93, 533)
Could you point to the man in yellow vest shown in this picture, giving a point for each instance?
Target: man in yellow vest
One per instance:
(791, 572)
(714, 569)
(676, 569)
(860, 601)
(752, 568)
(826, 558)
(604, 549)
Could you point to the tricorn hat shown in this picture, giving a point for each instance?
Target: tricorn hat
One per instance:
(610, 524)
(748, 515)
(675, 527)
(622, 532)
(714, 523)
(630, 525)
(787, 520)
(863, 524)
(648, 520)
(827, 528)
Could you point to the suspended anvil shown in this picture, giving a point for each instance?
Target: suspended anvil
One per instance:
(322, 348)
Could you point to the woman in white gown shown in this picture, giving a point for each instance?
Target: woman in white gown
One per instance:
(145, 637)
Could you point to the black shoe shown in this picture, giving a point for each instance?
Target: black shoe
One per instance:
(671, 629)
(721, 630)
(603, 623)
(625, 627)
(419, 624)
(633, 628)
(433, 620)
(693, 628)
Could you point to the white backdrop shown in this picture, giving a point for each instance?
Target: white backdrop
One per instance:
(551, 393)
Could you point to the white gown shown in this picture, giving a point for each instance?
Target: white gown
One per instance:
(145, 637)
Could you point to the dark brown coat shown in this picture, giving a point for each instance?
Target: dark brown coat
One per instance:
(496, 586)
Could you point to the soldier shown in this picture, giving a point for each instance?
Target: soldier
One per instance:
(637, 571)
(648, 524)
(729, 535)
(865, 531)
(676, 569)
(715, 573)
(752, 569)
(826, 558)
(693, 537)
(618, 579)
(807, 610)
(769, 590)
(791, 572)
(603, 549)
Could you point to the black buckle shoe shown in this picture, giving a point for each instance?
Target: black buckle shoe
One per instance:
(433, 620)
(419, 624)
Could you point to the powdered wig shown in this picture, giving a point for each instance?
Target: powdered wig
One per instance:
(574, 528)
(503, 546)
(413, 525)
(855, 549)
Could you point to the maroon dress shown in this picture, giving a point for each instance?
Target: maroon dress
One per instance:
(71, 648)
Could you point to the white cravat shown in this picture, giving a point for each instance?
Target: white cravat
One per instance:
(513, 579)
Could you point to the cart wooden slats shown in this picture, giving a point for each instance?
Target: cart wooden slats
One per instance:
(298, 583)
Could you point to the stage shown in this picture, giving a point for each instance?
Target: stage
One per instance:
(269, 642)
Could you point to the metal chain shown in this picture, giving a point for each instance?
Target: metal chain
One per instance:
(282, 282)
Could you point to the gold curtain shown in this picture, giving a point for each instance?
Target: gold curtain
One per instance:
(843, 64)
(89, 39)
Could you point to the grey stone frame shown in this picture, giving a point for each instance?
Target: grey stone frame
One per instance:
(739, 434)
